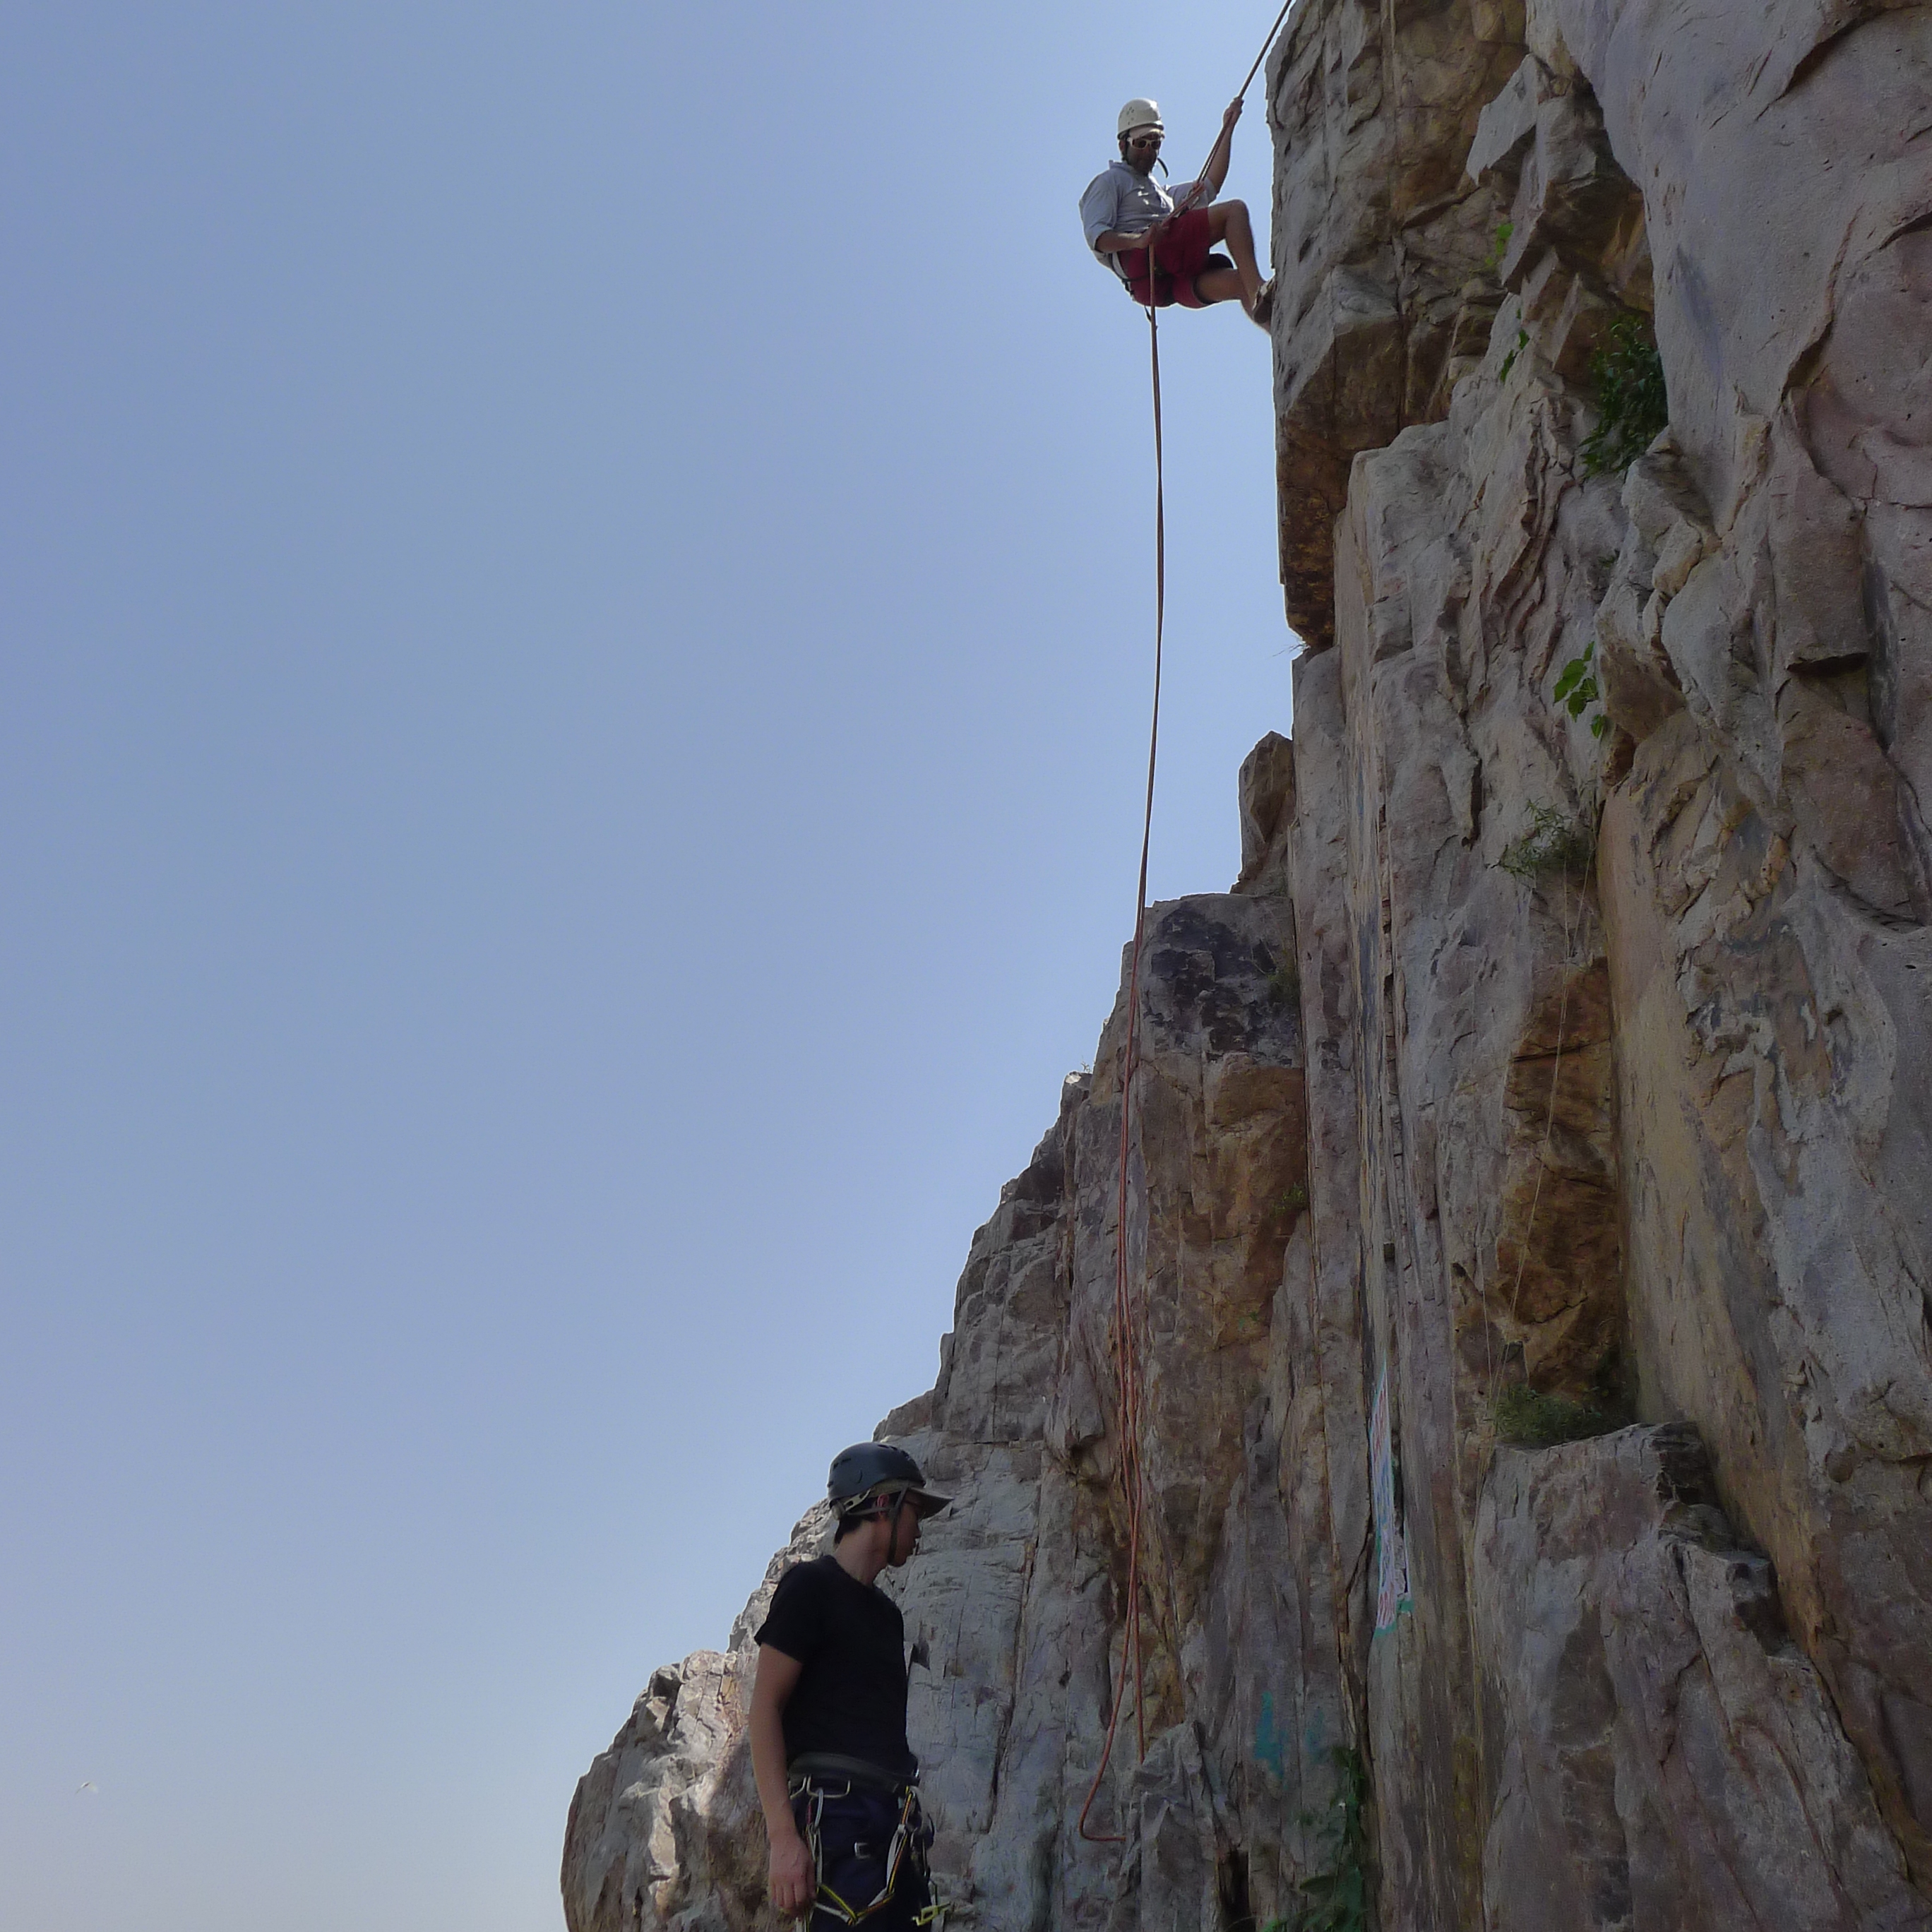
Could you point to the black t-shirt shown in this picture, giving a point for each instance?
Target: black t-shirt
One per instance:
(851, 1697)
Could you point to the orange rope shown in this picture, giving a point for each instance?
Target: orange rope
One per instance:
(1127, 1363)
(1129, 1390)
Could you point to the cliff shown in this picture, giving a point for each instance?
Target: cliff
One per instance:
(1555, 1070)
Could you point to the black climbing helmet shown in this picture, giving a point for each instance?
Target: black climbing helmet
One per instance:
(867, 1470)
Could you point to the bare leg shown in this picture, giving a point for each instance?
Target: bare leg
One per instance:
(1220, 285)
(1228, 221)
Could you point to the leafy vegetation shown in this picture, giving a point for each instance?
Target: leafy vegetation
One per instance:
(1627, 383)
(1493, 259)
(1284, 983)
(1509, 361)
(1336, 1900)
(1553, 844)
(1289, 1201)
(1577, 689)
(1534, 1421)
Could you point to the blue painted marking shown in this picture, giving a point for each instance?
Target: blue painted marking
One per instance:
(1270, 1746)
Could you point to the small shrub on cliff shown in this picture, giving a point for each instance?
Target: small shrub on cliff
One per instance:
(1284, 983)
(1534, 1421)
(1577, 689)
(1627, 383)
(1290, 1201)
(1551, 845)
(1337, 1900)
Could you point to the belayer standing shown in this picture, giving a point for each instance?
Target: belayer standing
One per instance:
(838, 1780)
(1163, 256)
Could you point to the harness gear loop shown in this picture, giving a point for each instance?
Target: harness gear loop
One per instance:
(907, 1842)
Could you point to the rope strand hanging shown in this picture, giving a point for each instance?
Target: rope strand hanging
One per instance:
(1128, 1383)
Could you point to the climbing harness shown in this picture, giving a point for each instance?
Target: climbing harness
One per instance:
(856, 1868)
(1128, 1389)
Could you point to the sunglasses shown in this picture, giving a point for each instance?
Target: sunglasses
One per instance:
(1144, 140)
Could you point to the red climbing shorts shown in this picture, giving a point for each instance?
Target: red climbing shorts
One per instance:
(1182, 252)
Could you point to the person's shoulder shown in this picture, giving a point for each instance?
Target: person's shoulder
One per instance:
(799, 1606)
(809, 1569)
(1105, 178)
(805, 1577)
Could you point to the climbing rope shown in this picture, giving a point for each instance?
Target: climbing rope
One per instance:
(1129, 1387)
(1227, 134)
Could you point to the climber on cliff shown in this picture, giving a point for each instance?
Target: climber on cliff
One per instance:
(1160, 244)
(836, 1777)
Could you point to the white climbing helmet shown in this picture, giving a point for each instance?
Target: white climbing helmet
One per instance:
(1139, 114)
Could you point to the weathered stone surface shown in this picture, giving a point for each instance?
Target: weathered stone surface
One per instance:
(1673, 1759)
(1594, 1063)
(1265, 794)
(1570, 200)
(1763, 861)
(1715, 1159)
(1015, 1607)
(1378, 236)
(665, 1825)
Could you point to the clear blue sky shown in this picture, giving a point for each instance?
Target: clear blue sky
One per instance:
(576, 591)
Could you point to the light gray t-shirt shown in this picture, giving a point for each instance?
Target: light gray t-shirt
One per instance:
(1130, 204)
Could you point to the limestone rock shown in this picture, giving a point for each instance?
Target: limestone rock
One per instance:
(1014, 1608)
(1378, 234)
(665, 1825)
(1570, 1067)
(1265, 792)
(1672, 1758)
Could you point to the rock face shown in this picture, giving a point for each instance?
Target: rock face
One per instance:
(1673, 1757)
(670, 1814)
(1544, 1072)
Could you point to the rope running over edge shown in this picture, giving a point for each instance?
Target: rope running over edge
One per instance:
(1127, 1374)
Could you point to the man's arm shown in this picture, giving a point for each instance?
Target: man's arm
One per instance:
(1215, 174)
(1111, 241)
(1199, 192)
(1099, 208)
(793, 1881)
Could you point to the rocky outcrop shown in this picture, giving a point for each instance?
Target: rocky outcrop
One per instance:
(668, 1817)
(1014, 1608)
(1380, 242)
(1672, 1756)
(1551, 1070)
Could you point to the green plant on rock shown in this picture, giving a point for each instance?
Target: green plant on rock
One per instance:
(1284, 983)
(1627, 386)
(1553, 844)
(1336, 1900)
(1531, 1420)
(1509, 361)
(1289, 1201)
(1493, 259)
(1577, 689)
